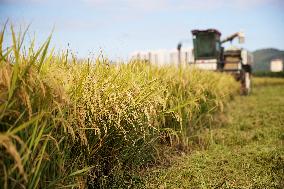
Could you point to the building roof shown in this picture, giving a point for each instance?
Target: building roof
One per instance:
(276, 59)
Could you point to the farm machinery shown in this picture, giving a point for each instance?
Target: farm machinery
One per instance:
(209, 54)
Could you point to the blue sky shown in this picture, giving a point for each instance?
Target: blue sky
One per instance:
(119, 27)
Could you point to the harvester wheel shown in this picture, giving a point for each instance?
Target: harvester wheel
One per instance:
(246, 80)
(247, 83)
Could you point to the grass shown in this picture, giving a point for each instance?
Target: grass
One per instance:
(66, 123)
(245, 152)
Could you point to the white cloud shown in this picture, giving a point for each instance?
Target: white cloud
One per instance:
(148, 5)
(21, 1)
(179, 4)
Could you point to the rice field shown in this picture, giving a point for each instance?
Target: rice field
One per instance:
(69, 123)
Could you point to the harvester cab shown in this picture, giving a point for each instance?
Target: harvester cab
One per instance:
(209, 54)
(207, 49)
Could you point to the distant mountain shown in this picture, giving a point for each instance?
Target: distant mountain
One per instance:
(263, 57)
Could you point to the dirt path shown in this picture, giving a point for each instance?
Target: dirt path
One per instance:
(247, 152)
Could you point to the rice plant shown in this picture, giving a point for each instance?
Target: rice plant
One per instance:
(88, 123)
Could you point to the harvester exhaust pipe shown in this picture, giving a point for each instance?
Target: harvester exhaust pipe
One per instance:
(179, 53)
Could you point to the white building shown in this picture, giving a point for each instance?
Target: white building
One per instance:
(276, 65)
(161, 57)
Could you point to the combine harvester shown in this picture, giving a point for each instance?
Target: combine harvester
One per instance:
(210, 55)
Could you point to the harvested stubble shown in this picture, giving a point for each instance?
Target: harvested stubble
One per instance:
(71, 123)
